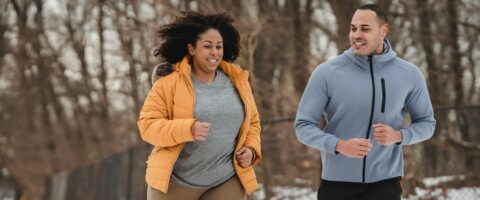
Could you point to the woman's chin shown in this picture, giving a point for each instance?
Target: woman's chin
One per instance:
(212, 68)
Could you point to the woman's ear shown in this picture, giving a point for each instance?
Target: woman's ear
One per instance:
(191, 50)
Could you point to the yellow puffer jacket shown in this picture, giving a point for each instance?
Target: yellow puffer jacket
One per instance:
(166, 121)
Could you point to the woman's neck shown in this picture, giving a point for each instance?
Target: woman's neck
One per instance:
(203, 76)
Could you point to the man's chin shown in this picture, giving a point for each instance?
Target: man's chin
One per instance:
(359, 53)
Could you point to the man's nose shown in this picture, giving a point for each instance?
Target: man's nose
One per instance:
(357, 35)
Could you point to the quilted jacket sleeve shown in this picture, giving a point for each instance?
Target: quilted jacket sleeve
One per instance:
(155, 125)
(253, 134)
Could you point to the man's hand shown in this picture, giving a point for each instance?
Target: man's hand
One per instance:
(244, 156)
(354, 148)
(386, 135)
(200, 130)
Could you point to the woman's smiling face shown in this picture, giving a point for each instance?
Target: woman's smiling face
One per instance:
(208, 51)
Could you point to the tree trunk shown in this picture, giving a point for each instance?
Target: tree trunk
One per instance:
(343, 11)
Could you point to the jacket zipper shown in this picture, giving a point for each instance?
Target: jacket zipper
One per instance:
(243, 97)
(384, 96)
(371, 114)
(183, 145)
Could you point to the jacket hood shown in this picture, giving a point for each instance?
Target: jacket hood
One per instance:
(378, 60)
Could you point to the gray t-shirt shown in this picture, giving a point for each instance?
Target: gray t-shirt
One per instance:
(206, 164)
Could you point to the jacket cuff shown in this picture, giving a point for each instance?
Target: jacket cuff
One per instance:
(400, 143)
(187, 130)
(254, 155)
(331, 144)
(406, 136)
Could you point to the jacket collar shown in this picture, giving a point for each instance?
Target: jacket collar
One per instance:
(377, 60)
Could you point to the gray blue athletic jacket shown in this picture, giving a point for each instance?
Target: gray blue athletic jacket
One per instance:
(354, 92)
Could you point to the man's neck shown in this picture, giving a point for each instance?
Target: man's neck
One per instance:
(380, 50)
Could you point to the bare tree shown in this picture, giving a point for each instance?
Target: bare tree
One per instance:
(73, 78)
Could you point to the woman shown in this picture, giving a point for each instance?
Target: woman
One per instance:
(200, 116)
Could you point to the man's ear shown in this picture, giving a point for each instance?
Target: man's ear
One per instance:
(385, 29)
(191, 50)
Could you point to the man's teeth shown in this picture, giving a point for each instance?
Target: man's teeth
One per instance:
(358, 43)
(212, 60)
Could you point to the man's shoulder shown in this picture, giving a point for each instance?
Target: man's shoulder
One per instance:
(410, 68)
(407, 65)
(334, 63)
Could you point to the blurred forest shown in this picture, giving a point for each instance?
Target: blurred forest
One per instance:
(74, 74)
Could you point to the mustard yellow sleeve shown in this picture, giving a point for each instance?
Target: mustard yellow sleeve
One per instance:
(253, 135)
(156, 127)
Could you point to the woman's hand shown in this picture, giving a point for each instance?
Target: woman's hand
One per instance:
(244, 157)
(200, 130)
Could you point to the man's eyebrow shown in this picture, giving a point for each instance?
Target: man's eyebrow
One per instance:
(361, 25)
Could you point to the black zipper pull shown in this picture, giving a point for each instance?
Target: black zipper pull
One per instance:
(384, 95)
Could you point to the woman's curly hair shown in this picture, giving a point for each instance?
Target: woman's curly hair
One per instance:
(187, 28)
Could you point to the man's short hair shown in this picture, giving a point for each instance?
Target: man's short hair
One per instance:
(377, 9)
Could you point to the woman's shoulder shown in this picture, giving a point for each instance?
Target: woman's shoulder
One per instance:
(233, 70)
(163, 71)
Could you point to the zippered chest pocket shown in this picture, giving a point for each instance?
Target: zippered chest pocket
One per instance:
(384, 96)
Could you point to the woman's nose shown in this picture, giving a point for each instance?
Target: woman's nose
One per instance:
(214, 51)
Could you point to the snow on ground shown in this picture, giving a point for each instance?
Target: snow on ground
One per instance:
(298, 193)
(466, 193)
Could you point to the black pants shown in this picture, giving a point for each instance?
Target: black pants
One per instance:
(389, 189)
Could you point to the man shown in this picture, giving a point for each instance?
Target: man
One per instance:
(363, 93)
